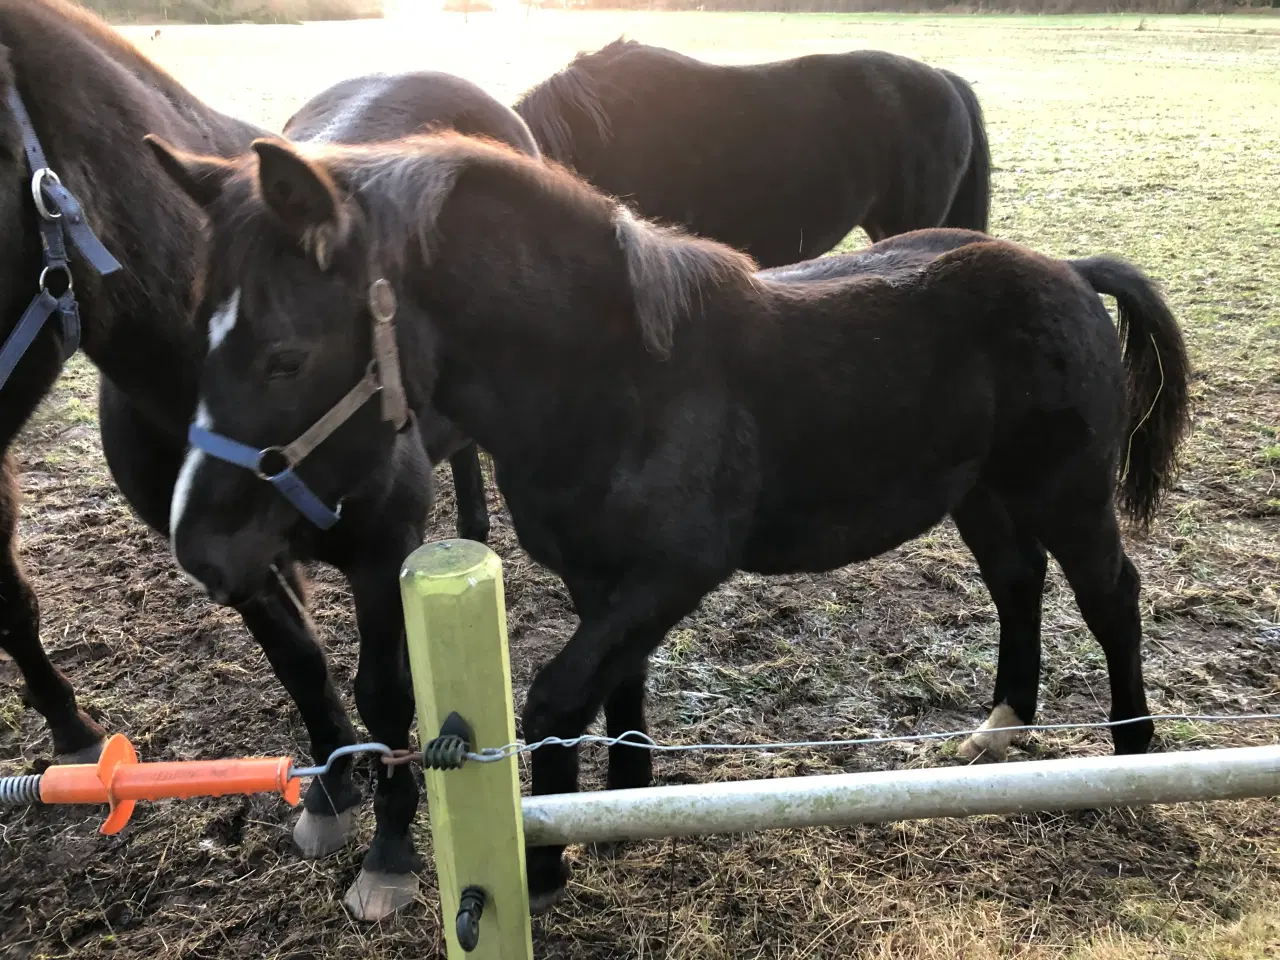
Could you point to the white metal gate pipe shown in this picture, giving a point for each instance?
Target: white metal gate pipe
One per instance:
(750, 805)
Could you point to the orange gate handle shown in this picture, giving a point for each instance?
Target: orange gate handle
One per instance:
(120, 780)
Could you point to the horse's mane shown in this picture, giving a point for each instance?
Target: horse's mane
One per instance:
(668, 270)
(573, 88)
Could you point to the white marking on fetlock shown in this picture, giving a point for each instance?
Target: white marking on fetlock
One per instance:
(318, 835)
(992, 745)
(376, 896)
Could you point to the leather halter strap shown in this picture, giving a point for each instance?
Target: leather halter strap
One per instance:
(381, 377)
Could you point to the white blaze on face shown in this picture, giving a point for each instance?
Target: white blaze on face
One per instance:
(220, 324)
(187, 475)
(223, 321)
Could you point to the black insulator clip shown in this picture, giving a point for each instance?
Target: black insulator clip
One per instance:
(449, 750)
(470, 908)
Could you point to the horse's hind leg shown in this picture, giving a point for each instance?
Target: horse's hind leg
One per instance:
(468, 494)
(1013, 568)
(1106, 584)
(76, 738)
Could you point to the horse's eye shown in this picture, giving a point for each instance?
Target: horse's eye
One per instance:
(283, 365)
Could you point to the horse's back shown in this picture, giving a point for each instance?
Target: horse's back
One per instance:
(892, 257)
(377, 107)
(906, 378)
(780, 159)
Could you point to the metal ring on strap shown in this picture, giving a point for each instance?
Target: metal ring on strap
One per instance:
(63, 269)
(262, 455)
(37, 192)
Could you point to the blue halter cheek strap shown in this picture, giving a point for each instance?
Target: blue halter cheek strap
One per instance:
(61, 216)
(290, 485)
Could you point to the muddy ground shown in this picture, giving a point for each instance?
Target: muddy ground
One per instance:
(1154, 143)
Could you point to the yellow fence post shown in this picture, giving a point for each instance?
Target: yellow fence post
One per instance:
(456, 626)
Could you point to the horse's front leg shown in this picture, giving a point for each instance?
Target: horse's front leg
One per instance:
(384, 697)
(278, 620)
(76, 738)
(145, 462)
(605, 658)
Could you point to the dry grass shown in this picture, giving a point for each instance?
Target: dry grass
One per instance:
(1160, 144)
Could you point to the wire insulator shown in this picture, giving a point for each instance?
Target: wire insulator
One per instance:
(445, 753)
(19, 791)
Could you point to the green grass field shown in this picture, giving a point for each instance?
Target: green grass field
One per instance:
(1157, 138)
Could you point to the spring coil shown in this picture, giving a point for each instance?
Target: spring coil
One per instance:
(445, 753)
(19, 791)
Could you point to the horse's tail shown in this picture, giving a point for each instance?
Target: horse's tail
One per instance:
(1155, 358)
(971, 207)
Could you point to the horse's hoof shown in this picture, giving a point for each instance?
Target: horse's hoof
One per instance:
(548, 876)
(317, 835)
(375, 896)
(985, 747)
(542, 902)
(90, 754)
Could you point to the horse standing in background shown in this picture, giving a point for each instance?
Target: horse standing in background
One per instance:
(780, 160)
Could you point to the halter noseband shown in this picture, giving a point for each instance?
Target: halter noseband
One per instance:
(381, 377)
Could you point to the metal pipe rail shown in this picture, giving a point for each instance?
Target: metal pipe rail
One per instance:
(752, 805)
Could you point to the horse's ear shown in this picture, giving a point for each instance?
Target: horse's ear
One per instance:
(302, 195)
(200, 177)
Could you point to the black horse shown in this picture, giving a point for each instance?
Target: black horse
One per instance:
(372, 108)
(660, 415)
(91, 97)
(780, 159)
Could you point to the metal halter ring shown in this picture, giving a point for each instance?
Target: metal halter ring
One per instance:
(37, 192)
(64, 270)
(262, 455)
(382, 301)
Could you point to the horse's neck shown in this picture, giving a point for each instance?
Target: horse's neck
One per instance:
(137, 328)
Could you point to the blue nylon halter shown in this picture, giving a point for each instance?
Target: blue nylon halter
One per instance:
(381, 378)
(290, 485)
(61, 216)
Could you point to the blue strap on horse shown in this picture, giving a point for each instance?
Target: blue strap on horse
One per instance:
(290, 485)
(381, 378)
(61, 216)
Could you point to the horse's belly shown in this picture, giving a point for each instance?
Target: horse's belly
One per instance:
(799, 537)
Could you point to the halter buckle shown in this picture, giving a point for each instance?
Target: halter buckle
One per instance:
(382, 301)
(37, 193)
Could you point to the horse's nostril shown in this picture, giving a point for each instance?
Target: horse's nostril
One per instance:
(215, 585)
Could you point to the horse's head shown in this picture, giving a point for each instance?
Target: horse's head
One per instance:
(300, 400)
